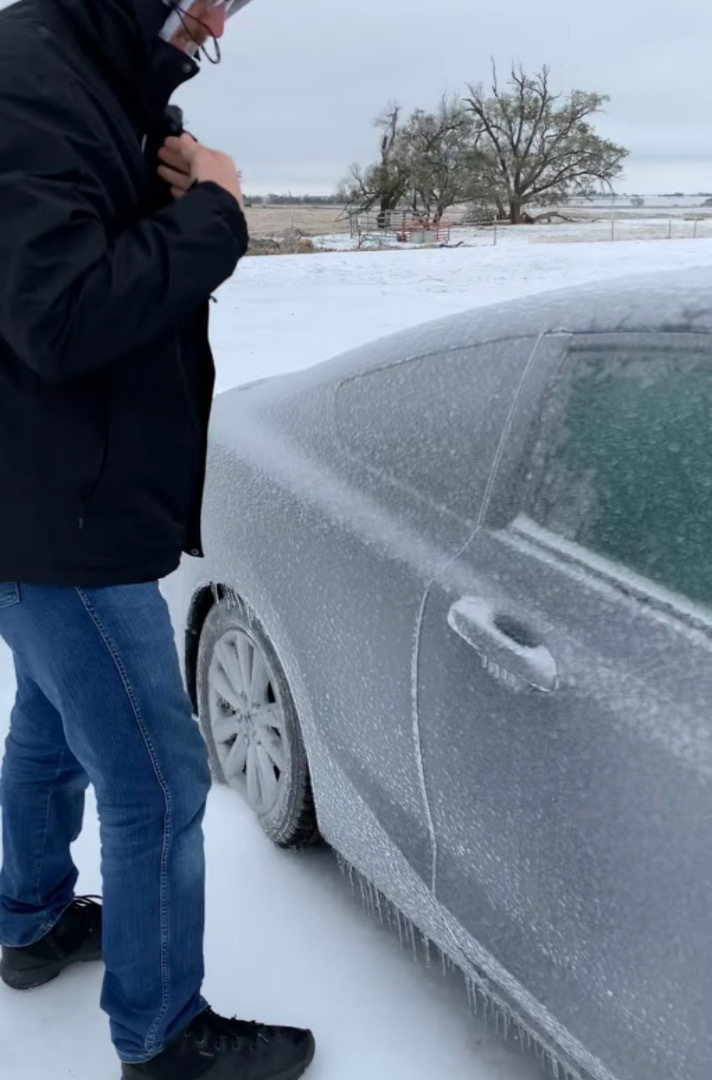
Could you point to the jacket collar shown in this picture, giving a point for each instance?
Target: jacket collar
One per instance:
(122, 40)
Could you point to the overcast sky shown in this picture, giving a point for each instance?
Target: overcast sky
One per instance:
(301, 80)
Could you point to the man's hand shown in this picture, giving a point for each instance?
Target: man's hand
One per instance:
(185, 162)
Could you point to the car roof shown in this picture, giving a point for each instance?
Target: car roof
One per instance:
(680, 301)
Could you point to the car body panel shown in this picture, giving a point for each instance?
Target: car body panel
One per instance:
(353, 572)
(574, 827)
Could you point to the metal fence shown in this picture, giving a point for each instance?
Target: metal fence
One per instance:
(401, 227)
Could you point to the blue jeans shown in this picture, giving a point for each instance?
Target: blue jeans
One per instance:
(100, 700)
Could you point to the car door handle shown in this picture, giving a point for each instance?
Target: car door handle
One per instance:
(506, 644)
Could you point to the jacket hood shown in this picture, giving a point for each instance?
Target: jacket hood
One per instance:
(123, 38)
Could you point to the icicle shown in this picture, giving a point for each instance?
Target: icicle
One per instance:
(475, 995)
(425, 942)
(379, 909)
(399, 923)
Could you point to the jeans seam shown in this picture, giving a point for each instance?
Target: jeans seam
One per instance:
(43, 846)
(115, 654)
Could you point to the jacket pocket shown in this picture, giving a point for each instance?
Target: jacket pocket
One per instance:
(9, 594)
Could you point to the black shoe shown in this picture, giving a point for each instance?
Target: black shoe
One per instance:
(75, 939)
(215, 1048)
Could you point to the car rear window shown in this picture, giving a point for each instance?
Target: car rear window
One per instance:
(624, 465)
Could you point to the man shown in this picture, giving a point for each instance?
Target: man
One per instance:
(112, 238)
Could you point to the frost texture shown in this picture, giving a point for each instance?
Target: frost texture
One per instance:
(482, 998)
(304, 539)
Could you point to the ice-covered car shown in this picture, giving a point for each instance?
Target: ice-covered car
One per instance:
(456, 618)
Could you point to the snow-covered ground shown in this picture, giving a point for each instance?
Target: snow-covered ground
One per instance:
(286, 940)
(287, 312)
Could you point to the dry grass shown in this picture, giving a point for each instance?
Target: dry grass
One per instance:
(289, 244)
(276, 221)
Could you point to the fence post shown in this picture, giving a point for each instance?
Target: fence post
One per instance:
(670, 229)
(694, 235)
(495, 232)
(613, 227)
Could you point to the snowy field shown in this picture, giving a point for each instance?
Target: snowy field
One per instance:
(286, 940)
(285, 313)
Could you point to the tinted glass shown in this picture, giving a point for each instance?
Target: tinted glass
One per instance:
(625, 465)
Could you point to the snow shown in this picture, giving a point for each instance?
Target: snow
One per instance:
(286, 940)
(287, 312)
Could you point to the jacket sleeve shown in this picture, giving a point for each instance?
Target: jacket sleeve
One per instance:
(72, 300)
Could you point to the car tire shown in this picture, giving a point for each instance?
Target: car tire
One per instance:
(249, 722)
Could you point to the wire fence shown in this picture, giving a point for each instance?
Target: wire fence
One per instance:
(392, 228)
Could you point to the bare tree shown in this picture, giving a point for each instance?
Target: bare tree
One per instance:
(534, 143)
(440, 155)
(385, 183)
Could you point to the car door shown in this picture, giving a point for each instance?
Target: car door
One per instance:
(565, 709)
(412, 458)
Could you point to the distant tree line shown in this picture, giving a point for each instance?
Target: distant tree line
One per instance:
(273, 199)
(500, 149)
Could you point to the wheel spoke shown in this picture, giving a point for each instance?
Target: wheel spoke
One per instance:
(269, 716)
(271, 743)
(236, 757)
(245, 654)
(225, 652)
(254, 794)
(226, 728)
(221, 684)
(268, 781)
(259, 681)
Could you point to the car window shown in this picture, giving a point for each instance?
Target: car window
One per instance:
(433, 424)
(624, 467)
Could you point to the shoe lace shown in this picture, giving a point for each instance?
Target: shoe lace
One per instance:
(222, 1031)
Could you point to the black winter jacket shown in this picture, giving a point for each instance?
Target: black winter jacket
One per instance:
(106, 375)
